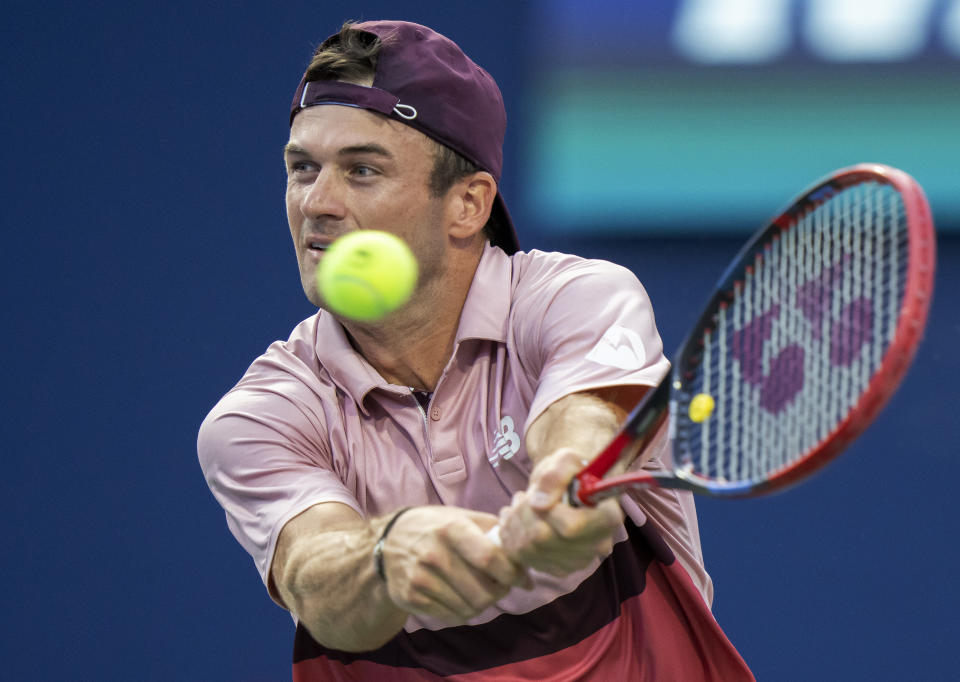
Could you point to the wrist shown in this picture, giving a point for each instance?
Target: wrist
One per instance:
(378, 546)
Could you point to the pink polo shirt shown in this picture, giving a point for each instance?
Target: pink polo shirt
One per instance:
(311, 421)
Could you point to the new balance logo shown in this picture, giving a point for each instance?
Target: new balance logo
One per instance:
(620, 347)
(506, 442)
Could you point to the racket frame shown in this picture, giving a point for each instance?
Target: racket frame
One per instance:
(660, 404)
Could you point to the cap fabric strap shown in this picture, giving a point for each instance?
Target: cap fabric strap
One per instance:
(349, 94)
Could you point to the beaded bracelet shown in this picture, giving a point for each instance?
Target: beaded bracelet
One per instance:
(378, 548)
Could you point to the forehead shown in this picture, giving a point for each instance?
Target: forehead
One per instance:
(329, 128)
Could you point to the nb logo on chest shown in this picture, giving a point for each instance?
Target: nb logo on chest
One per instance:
(506, 442)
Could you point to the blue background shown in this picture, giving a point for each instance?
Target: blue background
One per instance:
(149, 263)
(613, 82)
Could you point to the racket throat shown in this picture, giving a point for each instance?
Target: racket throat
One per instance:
(593, 490)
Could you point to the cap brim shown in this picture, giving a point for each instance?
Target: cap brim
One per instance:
(506, 235)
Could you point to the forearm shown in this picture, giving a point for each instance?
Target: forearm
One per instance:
(582, 422)
(438, 562)
(330, 582)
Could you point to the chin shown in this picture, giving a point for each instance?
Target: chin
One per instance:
(310, 291)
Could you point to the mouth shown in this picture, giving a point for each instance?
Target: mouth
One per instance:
(318, 245)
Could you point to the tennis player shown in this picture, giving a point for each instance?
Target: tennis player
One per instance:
(362, 465)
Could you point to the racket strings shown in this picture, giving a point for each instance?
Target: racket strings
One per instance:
(803, 332)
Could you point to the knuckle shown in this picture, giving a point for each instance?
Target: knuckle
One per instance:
(568, 462)
(415, 588)
(528, 554)
(570, 456)
(482, 601)
(404, 594)
(499, 589)
(485, 558)
(433, 558)
(542, 534)
(571, 524)
(444, 532)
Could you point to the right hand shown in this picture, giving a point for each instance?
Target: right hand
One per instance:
(540, 530)
(439, 562)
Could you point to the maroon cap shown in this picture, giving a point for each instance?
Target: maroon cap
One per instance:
(426, 82)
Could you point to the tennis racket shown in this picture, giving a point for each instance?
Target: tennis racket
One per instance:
(806, 336)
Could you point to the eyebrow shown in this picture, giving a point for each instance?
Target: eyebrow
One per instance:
(292, 148)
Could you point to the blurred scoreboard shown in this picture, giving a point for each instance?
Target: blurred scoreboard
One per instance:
(706, 116)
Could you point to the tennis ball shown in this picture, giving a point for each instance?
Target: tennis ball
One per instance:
(366, 274)
(700, 407)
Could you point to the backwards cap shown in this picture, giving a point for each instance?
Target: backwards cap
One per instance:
(425, 81)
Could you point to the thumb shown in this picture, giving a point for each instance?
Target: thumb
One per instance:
(551, 478)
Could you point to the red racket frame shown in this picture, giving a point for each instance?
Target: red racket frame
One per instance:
(589, 486)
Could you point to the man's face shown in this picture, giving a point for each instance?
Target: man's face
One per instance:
(351, 169)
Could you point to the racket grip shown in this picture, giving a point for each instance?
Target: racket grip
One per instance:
(572, 495)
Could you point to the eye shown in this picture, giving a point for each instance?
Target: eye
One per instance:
(300, 167)
(362, 171)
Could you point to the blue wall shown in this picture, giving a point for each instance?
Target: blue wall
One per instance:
(149, 263)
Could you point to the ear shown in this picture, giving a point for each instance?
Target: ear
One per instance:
(470, 203)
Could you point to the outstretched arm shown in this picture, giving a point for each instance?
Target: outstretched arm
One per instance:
(437, 562)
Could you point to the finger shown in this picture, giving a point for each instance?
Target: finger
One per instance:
(485, 555)
(474, 566)
(561, 557)
(550, 479)
(563, 564)
(483, 520)
(586, 525)
(563, 540)
(442, 585)
(475, 589)
(425, 593)
(523, 531)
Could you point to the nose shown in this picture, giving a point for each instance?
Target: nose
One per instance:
(324, 198)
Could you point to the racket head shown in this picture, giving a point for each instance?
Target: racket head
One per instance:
(858, 301)
(804, 339)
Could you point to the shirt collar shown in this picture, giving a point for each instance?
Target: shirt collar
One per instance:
(347, 368)
(486, 311)
(485, 315)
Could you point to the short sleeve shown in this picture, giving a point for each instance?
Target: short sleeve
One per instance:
(265, 457)
(589, 324)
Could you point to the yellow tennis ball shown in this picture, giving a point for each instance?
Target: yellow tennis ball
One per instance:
(700, 407)
(366, 274)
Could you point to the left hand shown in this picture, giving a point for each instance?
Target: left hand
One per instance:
(540, 530)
